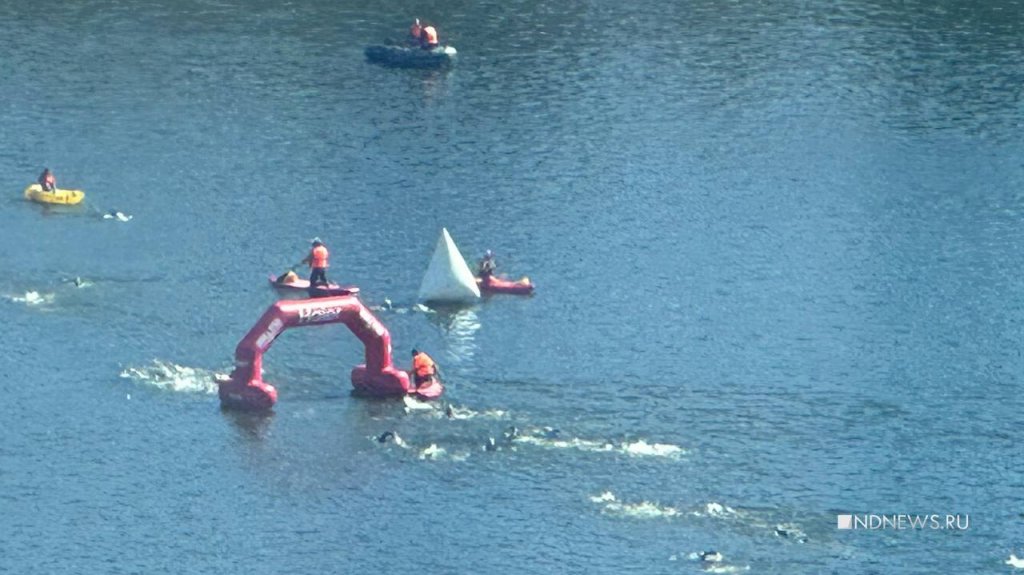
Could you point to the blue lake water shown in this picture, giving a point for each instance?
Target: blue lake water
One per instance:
(776, 249)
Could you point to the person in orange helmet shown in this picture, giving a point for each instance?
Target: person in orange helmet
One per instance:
(424, 370)
(317, 260)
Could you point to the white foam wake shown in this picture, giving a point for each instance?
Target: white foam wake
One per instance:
(116, 215)
(412, 404)
(643, 449)
(714, 509)
(32, 298)
(755, 519)
(173, 377)
(548, 438)
(713, 562)
(438, 409)
(642, 510)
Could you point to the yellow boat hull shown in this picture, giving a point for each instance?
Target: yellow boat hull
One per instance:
(35, 193)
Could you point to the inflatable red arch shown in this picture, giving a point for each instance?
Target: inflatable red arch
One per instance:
(244, 388)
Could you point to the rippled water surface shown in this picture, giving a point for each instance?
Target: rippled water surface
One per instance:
(777, 251)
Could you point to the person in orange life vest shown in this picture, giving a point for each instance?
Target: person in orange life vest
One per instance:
(47, 181)
(424, 370)
(487, 265)
(416, 31)
(317, 260)
(429, 38)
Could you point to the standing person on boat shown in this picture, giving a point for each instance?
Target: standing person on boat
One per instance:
(317, 260)
(424, 370)
(416, 31)
(428, 40)
(487, 265)
(47, 181)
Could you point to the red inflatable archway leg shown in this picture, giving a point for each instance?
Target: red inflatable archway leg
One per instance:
(245, 388)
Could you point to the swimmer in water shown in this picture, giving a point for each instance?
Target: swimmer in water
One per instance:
(711, 557)
(116, 215)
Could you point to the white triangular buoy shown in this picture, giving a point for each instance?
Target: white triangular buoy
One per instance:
(448, 278)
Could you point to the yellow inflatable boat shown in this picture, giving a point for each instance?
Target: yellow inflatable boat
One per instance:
(35, 193)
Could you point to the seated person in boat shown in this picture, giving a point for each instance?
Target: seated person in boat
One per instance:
(47, 180)
(317, 260)
(288, 277)
(415, 32)
(428, 38)
(487, 265)
(424, 369)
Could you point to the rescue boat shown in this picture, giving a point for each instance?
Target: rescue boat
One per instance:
(411, 57)
(298, 284)
(430, 390)
(36, 193)
(491, 284)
